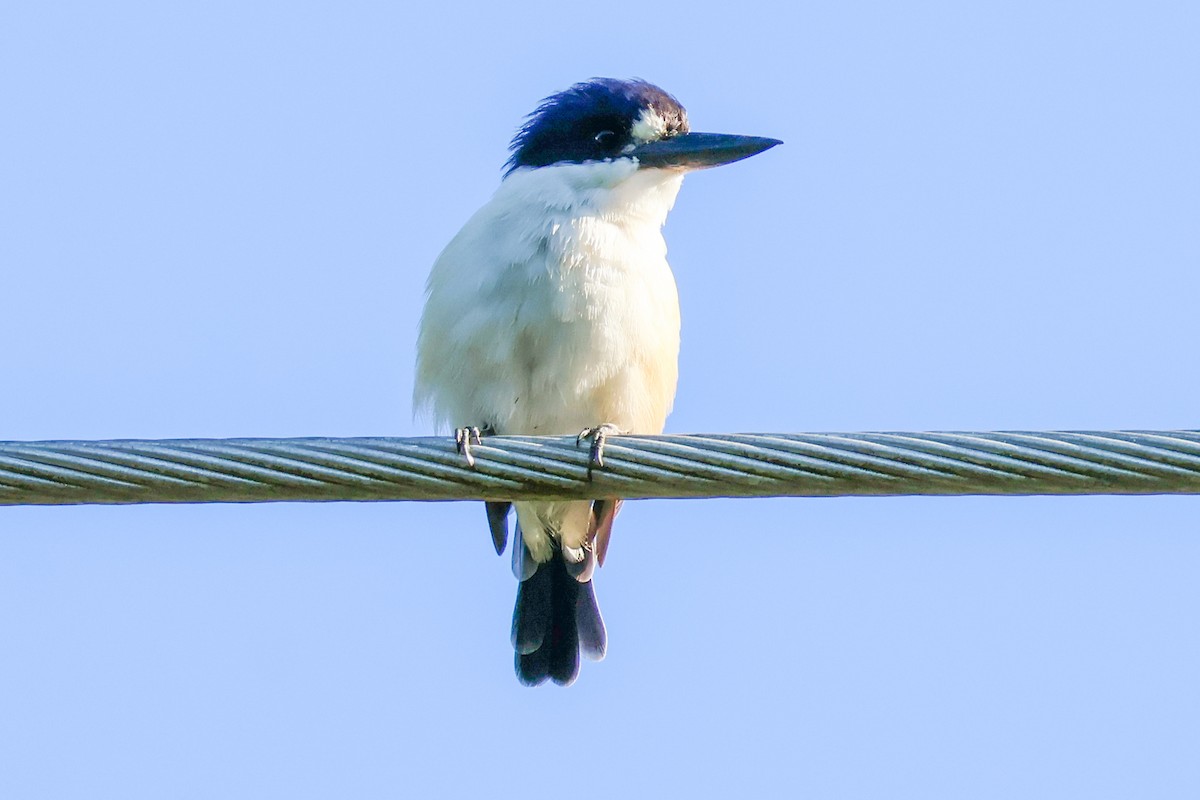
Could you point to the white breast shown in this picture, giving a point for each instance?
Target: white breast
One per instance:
(554, 308)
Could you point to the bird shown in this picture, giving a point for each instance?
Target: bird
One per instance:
(553, 311)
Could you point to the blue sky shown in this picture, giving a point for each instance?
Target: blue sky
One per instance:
(218, 219)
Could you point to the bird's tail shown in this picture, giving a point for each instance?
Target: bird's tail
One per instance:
(555, 619)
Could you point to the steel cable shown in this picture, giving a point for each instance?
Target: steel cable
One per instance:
(522, 467)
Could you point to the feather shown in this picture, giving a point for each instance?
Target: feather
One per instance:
(533, 669)
(600, 525)
(497, 516)
(533, 612)
(563, 644)
(523, 564)
(593, 638)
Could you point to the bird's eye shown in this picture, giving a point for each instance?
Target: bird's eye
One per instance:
(606, 138)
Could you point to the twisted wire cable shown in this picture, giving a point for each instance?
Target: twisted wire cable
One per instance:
(527, 467)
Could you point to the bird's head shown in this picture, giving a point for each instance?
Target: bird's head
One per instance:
(605, 119)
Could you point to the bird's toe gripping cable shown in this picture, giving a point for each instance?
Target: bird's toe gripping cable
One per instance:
(598, 435)
(464, 438)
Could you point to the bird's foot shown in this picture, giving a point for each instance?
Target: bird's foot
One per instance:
(599, 436)
(463, 439)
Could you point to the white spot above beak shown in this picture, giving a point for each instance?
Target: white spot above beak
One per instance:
(650, 127)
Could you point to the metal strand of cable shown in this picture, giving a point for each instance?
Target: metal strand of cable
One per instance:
(528, 467)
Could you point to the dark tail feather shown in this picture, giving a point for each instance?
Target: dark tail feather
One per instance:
(523, 565)
(563, 641)
(593, 638)
(533, 669)
(554, 615)
(534, 611)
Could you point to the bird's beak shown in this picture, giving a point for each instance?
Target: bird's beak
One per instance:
(688, 151)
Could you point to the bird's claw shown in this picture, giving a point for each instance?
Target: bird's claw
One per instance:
(463, 439)
(599, 436)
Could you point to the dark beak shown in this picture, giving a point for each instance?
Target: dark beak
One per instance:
(700, 150)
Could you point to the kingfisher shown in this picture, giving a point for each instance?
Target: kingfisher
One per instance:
(554, 312)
